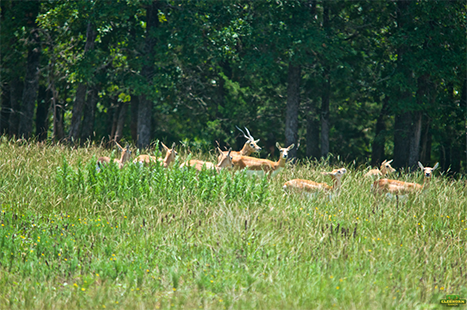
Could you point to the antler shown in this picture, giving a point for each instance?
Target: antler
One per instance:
(242, 133)
(249, 134)
(249, 137)
(119, 146)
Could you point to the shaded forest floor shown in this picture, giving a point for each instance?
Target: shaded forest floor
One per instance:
(154, 238)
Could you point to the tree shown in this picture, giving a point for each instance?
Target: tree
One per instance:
(144, 125)
(80, 96)
(31, 79)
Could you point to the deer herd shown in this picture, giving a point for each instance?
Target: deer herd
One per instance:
(241, 160)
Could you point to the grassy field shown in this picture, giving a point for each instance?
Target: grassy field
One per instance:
(156, 238)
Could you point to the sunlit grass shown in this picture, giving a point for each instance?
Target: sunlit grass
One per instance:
(172, 238)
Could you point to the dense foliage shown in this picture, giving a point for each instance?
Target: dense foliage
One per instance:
(359, 79)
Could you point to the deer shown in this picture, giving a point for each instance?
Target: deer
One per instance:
(249, 147)
(385, 169)
(259, 166)
(397, 188)
(310, 187)
(126, 153)
(169, 157)
(225, 162)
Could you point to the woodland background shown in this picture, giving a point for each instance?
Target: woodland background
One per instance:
(364, 80)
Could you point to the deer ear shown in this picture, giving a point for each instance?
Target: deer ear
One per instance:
(390, 161)
(291, 146)
(420, 165)
(163, 145)
(436, 166)
(278, 145)
(173, 145)
(384, 162)
(230, 150)
(256, 141)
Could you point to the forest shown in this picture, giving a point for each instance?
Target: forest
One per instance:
(362, 80)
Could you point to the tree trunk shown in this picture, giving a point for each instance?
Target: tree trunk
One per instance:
(456, 156)
(312, 117)
(121, 122)
(144, 122)
(31, 81)
(89, 114)
(58, 113)
(377, 148)
(463, 103)
(5, 112)
(312, 130)
(134, 117)
(325, 97)
(80, 96)
(403, 119)
(402, 125)
(414, 150)
(293, 102)
(453, 143)
(425, 151)
(59, 130)
(78, 104)
(326, 92)
(16, 89)
(145, 103)
(423, 94)
(446, 147)
(116, 107)
(42, 114)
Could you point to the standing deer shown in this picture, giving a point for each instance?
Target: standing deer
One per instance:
(259, 166)
(311, 187)
(126, 153)
(385, 169)
(397, 188)
(249, 147)
(225, 162)
(169, 157)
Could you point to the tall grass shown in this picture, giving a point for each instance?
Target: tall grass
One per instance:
(153, 238)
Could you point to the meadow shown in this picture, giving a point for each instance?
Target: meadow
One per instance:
(155, 238)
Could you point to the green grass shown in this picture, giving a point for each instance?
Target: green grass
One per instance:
(155, 238)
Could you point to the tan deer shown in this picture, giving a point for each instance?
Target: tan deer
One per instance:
(249, 147)
(310, 187)
(225, 162)
(398, 188)
(126, 153)
(169, 157)
(259, 166)
(385, 169)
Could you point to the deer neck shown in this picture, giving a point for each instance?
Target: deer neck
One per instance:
(281, 162)
(168, 159)
(245, 150)
(426, 182)
(336, 185)
(222, 164)
(219, 168)
(125, 157)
